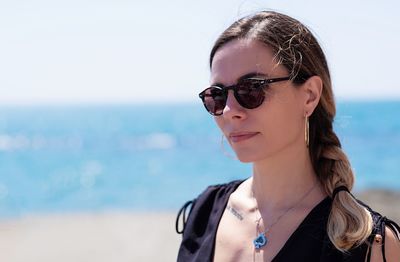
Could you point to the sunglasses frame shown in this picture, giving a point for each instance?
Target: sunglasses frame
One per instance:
(263, 83)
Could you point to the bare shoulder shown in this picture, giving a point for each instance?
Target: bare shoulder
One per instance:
(392, 248)
(240, 197)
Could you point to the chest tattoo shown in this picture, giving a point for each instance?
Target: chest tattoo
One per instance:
(234, 212)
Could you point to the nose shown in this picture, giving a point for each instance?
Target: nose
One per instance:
(232, 108)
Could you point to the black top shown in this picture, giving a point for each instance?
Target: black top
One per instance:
(309, 242)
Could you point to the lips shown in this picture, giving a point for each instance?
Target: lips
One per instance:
(241, 136)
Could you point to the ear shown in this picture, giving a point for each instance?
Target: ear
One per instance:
(312, 93)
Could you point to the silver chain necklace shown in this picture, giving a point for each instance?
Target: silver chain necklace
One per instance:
(261, 239)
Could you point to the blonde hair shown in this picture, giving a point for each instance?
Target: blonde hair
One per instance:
(295, 47)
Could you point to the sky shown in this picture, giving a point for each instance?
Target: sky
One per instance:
(86, 51)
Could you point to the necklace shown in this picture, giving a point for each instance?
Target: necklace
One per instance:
(261, 239)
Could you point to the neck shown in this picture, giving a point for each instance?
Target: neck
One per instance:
(281, 180)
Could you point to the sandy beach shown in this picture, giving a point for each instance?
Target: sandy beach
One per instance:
(100, 237)
(116, 236)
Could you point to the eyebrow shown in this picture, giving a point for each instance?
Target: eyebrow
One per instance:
(248, 75)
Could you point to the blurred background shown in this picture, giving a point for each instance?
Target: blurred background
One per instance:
(100, 122)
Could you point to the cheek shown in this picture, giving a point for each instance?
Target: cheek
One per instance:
(220, 123)
(282, 125)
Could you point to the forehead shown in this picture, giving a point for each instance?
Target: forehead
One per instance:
(240, 57)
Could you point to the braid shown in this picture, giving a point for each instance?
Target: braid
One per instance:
(349, 223)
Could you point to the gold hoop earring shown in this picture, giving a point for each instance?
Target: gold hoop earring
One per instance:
(226, 153)
(307, 131)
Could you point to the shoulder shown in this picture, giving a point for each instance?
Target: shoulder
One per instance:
(386, 248)
(213, 198)
(384, 239)
(224, 186)
(392, 244)
(218, 192)
(199, 229)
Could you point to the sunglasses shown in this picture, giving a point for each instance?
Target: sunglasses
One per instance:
(248, 92)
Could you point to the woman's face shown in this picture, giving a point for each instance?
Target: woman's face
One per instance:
(270, 129)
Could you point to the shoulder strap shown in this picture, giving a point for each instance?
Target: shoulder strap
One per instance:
(380, 224)
(182, 212)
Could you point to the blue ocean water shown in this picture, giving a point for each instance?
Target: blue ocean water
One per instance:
(154, 157)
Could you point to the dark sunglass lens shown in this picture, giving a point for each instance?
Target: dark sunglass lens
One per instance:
(214, 100)
(250, 93)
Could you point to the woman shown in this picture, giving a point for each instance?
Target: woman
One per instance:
(271, 96)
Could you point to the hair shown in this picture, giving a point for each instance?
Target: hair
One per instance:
(295, 47)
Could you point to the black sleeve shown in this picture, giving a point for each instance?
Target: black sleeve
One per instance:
(199, 227)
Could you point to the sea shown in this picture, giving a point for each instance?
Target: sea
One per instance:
(154, 157)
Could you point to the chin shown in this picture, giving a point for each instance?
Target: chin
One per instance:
(243, 160)
(251, 157)
(246, 158)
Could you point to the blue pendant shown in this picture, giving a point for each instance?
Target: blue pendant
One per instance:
(260, 241)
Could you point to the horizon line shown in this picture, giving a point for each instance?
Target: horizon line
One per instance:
(166, 102)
